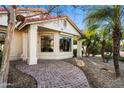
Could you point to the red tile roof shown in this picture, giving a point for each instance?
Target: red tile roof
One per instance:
(2, 10)
(41, 19)
(52, 17)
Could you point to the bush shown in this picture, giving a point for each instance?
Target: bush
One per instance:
(108, 57)
(94, 51)
(75, 52)
(82, 53)
(121, 59)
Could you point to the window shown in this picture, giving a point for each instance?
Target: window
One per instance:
(65, 44)
(47, 43)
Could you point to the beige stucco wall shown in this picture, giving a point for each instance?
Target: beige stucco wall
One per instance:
(3, 19)
(16, 46)
(58, 25)
(24, 45)
(20, 44)
(19, 47)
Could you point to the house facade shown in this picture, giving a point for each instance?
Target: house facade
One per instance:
(41, 36)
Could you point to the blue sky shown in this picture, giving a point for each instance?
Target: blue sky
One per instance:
(76, 15)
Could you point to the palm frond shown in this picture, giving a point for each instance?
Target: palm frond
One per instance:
(98, 16)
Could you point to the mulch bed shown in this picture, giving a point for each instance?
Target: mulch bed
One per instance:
(18, 79)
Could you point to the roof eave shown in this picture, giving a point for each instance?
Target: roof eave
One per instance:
(65, 17)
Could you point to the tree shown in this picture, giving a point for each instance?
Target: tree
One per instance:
(113, 15)
(108, 49)
(89, 39)
(5, 59)
(104, 35)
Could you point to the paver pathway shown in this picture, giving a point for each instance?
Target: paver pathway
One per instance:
(55, 73)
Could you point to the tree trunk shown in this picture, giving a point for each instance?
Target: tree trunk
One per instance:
(116, 49)
(5, 60)
(108, 58)
(103, 50)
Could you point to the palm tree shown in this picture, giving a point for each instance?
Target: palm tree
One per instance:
(104, 35)
(89, 39)
(113, 15)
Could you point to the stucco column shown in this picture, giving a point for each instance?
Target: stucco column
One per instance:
(56, 45)
(32, 45)
(79, 49)
(72, 45)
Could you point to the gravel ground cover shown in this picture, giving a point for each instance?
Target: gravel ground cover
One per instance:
(18, 79)
(99, 74)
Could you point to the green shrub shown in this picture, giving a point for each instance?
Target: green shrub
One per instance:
(82, 53)
(94, 51)
(108, 57)
(121, 59)
(75, 42)
(75, 52)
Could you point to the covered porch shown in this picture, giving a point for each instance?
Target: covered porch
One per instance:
(41, 42)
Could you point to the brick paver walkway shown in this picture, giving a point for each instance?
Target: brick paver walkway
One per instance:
(54, 73)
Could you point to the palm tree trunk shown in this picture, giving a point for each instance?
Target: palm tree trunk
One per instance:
(116, 49)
